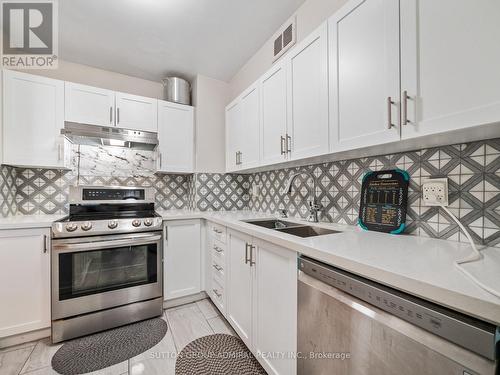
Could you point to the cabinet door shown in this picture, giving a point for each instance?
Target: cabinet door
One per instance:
(239, 286)
(136, 112)
(275, 323)
(176, 137)
(274, 112)
(24, 281)
(233, 135)
(33, 118)
(249, 140)
(308, 96)
(450, 59)
(182, 258)
(88, 105)
(364, 66)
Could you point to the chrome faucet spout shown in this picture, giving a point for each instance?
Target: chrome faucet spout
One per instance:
(314, 206)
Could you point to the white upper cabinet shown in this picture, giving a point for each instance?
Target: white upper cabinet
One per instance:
(274, 115)
(364, 74)
(176, 137)
(249, 141)
(136, 112)
(450, 64)
(308, 95)
(233, 135)
(89, 105)
(33, 114)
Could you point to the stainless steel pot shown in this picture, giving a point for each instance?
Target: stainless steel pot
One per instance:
(177, 90)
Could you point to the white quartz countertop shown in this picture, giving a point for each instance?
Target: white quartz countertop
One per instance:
(420, 266)
(28, 221)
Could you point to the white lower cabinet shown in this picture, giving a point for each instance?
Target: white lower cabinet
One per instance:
(275, 310)
(182, 258)
(262, 300)
(240, 286)
(24, 281)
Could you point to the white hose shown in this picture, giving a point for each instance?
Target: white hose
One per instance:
(473, 257)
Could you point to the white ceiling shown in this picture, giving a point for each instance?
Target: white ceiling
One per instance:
(153, 38)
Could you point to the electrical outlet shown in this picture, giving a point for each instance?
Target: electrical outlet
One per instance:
(435, 192)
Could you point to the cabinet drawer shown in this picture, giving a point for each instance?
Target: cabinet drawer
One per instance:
(218, 250)
(218, 271)
(217, 232)
(217, 294)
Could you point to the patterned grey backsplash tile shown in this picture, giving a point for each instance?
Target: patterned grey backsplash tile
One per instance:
(8, 204)
(221, 192)
(472, 170)
(474, 183)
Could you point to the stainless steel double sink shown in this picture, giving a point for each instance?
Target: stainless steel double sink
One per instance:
(294, 229)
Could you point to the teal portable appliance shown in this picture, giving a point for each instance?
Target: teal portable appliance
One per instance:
(384, 200)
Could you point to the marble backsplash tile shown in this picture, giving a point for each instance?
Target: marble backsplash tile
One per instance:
(112, 161)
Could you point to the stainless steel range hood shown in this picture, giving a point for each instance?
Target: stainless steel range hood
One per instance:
(93, 135)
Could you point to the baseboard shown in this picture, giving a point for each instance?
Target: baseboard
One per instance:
(184, 300)
(23, 338)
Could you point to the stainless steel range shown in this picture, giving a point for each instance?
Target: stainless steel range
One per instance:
(106, 261)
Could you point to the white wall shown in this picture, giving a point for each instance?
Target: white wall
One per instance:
(309, 16)
(68, 71)
(209, 98)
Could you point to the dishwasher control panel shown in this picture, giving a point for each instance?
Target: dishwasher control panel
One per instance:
(475, 335)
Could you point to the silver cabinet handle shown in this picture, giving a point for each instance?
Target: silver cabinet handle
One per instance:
(161, 161)
(389, 113)
(45, 243)
(240, 154)
(252, 247)
(246, 253)
(218, 249)
(111, 115)
(59, 152)
(217, 267)
(118, 115)
(405, 108)
(283, 152)
(288, 144)
(217, 231)
(217, 293)
(236, 157)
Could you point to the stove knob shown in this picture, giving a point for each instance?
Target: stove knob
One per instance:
(148, 222)
(136, 223)
(87, 226)
(71, 227)
(112, 224)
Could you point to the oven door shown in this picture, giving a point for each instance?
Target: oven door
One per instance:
(95, 273)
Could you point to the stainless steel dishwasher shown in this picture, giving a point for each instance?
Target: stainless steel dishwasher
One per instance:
(349, 325)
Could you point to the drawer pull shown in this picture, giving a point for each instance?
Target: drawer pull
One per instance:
(217, 293)
(218, 249)
(217, 267)
(217, 231)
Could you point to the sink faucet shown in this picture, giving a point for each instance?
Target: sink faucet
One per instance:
(314, 206)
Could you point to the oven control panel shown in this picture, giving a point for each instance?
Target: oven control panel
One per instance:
(96, 194)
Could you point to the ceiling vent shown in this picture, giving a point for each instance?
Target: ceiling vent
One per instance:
(285, 39)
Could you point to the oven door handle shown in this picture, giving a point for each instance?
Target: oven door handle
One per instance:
(72, 247)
